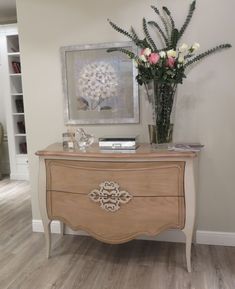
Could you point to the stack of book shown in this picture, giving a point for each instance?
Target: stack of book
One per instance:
(118, 143)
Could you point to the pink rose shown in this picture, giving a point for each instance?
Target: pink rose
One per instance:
(170, 61)
(153, 58)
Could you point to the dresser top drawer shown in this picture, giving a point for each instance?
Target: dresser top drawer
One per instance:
(137, 178)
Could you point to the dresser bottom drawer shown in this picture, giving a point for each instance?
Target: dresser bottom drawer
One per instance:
(141, 215)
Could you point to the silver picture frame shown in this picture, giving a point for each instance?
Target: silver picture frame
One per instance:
(99, 87)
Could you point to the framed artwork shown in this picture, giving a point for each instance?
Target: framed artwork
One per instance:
(99, 87)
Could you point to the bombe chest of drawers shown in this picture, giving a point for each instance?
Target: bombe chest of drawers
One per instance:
(116, 196)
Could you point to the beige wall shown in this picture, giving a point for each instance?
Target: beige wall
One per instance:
(206, 101)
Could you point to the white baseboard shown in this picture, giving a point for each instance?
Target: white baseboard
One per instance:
(216, 238)
(202, 237)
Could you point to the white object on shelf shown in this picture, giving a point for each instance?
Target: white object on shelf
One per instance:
(118, 143)
(11, 79)
(181, 147)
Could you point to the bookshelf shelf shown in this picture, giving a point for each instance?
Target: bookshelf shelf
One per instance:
(20, 134)
(17, 113)
(15, 74)
(14, 54)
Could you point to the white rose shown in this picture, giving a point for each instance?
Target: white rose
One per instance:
(143, 58)
(147, 51)
(195, 46)
(171, 53)
(183, 47)
(181, 59)
(162, 54)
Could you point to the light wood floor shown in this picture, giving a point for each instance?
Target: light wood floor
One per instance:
(84, 263)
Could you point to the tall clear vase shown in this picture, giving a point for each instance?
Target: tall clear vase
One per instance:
(161, 97)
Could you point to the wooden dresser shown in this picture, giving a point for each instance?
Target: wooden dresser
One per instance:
(117, 196)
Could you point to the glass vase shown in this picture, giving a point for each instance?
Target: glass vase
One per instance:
(161, 98)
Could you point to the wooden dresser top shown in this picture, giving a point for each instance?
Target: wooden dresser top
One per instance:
(143, 151)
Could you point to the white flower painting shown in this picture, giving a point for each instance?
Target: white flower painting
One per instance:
(97, 82)
(99, 87)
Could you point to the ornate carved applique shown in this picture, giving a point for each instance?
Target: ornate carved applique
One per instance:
(109, 196)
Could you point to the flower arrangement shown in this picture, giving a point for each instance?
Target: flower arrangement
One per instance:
(164, 66)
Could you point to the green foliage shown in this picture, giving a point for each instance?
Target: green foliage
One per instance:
(156, 25)
(135, 36)
(129, 53)
(169, 68)
(167, 11)
(148, 37)
(188, 18)
(122, 31)
(164, 22)
(207, 53)
(174, 38)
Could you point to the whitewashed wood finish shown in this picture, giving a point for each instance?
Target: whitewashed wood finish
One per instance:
(82, 262)
(42, 204)
(190, 208)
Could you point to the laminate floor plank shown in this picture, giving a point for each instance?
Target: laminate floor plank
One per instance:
(80, 262)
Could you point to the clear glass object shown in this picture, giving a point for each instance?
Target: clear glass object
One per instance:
(83, 139)
(161, 98)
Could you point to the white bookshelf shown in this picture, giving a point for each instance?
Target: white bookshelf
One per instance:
(14, 102)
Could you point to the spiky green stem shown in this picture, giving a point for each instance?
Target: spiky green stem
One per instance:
(207, 53)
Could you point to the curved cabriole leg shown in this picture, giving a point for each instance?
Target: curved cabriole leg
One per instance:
(42, 204)
(47, 232)
(188, 246)
(190, 209)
